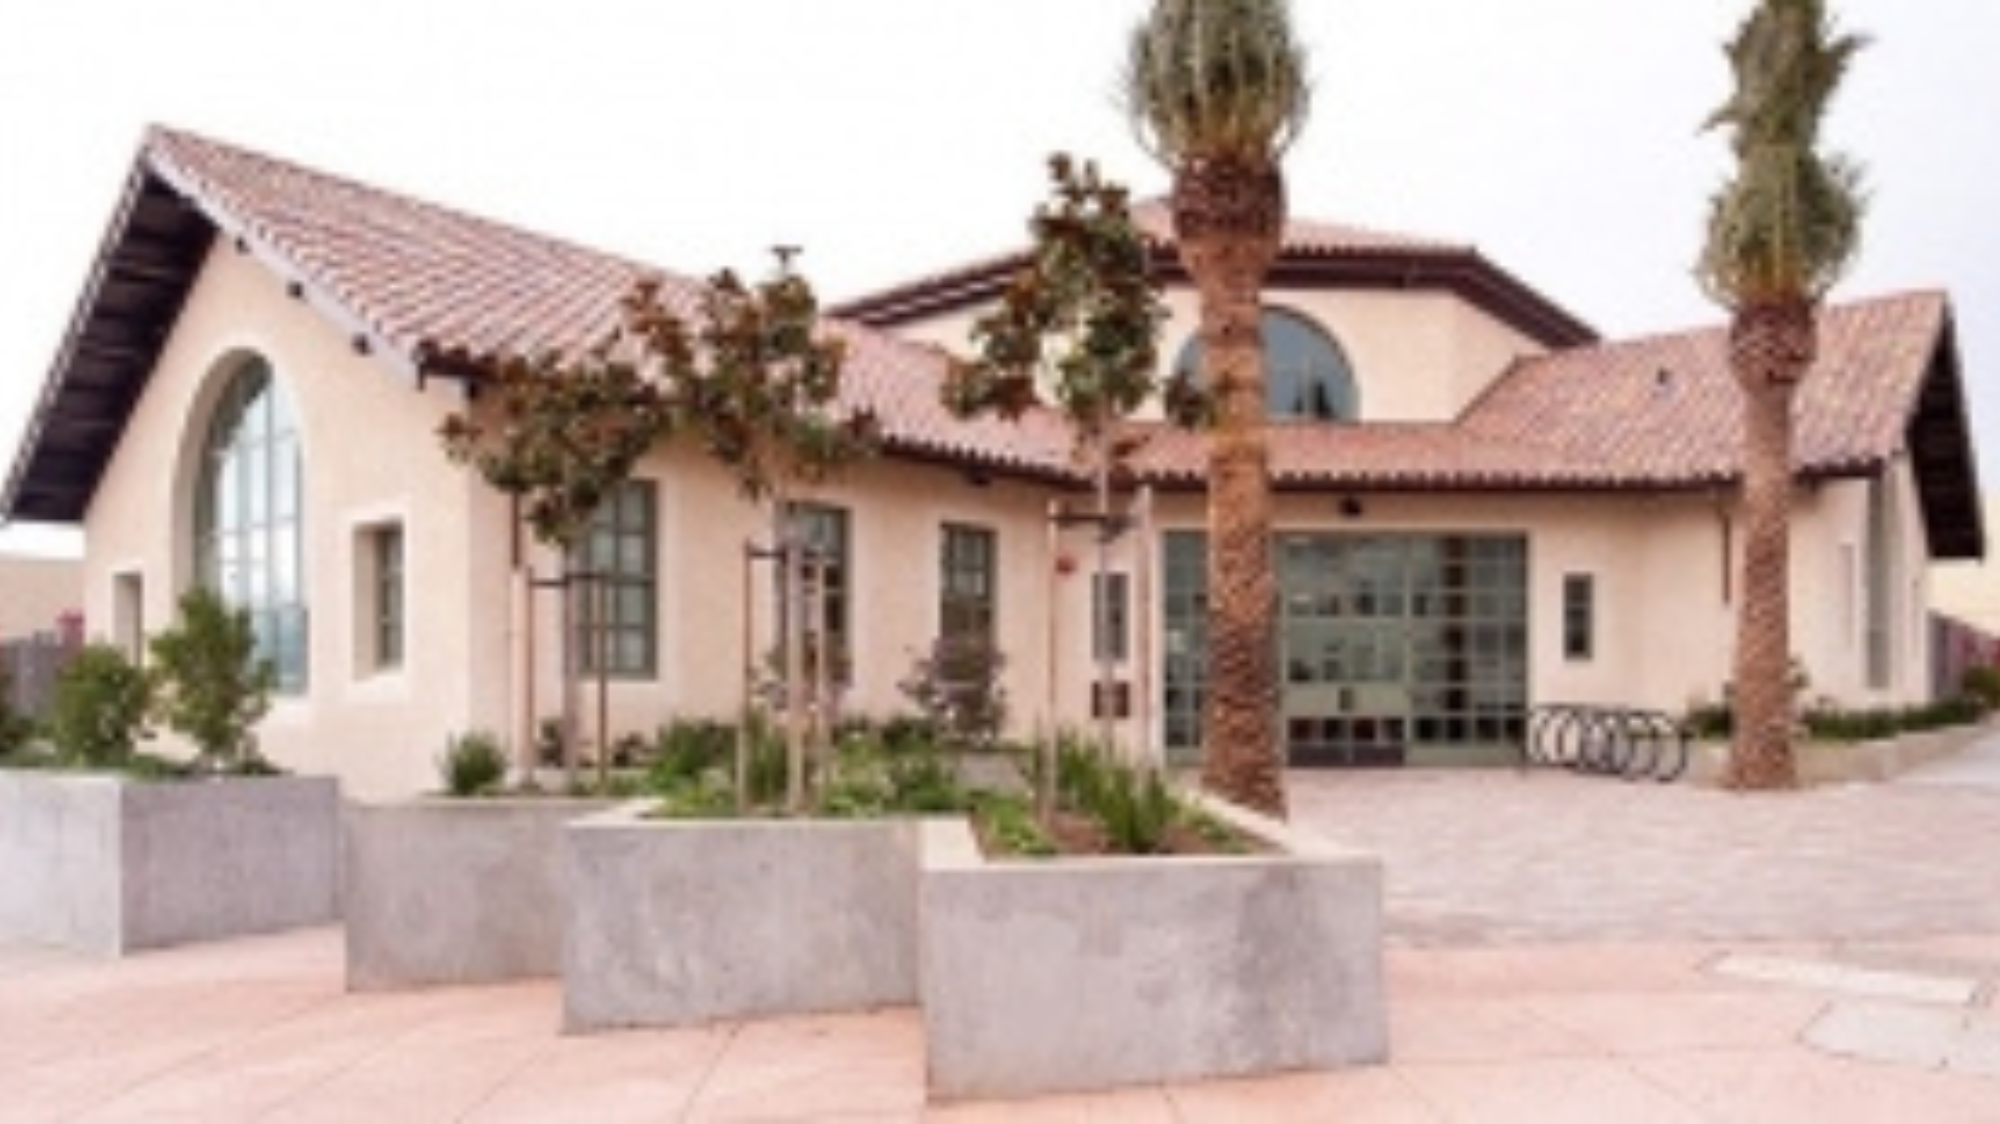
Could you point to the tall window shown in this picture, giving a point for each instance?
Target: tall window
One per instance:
(1579, 617)
(1110, 615)
(618, 601)
(966, 582)
(1881, 582)
(1306, 374)
(380, 610)
(247, 517)
(824, 530)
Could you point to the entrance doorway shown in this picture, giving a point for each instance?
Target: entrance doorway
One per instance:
(1394, 649)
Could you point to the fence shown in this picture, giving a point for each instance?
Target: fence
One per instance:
(28, 667)
(1958, 647)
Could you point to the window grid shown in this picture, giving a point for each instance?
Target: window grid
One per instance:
(967, 578)
(824, 530)
(388, 545)
(617, 604)
(248, 519)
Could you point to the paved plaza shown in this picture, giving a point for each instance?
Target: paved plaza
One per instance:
(1561, 948)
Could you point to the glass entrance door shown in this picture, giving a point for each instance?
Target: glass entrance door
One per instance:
(1395, 649)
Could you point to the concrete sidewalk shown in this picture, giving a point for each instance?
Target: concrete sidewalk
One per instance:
(261, 1030)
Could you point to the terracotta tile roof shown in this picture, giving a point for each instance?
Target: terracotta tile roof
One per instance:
(1665, 409)
(1654, 413)
(1305, 237)
(443, 289)
(431, 290)
(1306, 241)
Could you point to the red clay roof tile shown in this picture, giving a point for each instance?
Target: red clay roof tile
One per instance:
(435, 284)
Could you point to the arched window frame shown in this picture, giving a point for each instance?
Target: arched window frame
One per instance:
(249, 517)
(1295, 392)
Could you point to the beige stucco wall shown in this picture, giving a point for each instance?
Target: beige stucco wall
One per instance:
(35, 592)
(896, 515)
(370, 455)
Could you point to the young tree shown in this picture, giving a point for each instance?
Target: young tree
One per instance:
(758, 384)
(1781, 232)
(564, 432)
(1081, 323)
(1218, 90)
(208, 682)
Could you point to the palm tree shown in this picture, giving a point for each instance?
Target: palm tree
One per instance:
(1217, 91)
(1780, 233)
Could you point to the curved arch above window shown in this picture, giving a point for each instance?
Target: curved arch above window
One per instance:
(1306, 374)
(248, 517)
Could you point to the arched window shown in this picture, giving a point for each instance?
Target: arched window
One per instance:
(1306, 376)
(247, 516)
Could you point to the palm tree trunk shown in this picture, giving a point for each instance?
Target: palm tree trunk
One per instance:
(1229, 219)
(1771, 348)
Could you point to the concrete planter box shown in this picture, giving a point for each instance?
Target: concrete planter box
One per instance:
(1082, 974)
(109, 866)
(673, 923)
(1825, 763)
(441, 891)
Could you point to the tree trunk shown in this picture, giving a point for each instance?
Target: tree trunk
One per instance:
(1771, 349)
(1229, 219)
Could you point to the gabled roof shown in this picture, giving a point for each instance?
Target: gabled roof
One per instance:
(430, 292)
(1313, 255)
(427, 291)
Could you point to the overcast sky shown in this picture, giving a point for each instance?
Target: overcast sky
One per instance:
(891, 138)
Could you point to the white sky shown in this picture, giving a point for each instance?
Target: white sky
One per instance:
(895, 137)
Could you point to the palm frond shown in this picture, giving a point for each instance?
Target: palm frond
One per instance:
(1787, 225)
(1217, 78)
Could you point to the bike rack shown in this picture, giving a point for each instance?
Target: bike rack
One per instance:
(1617, 741)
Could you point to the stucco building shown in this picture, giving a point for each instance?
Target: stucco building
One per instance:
(1482, 505)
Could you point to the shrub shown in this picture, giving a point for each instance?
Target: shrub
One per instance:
(472, 764)
(686, 748)
(1982, 683)
(956, 690)
(16, 729)
(876, 774)
(209, 683)
(694, 764)
(99, 709)
(1010, 826)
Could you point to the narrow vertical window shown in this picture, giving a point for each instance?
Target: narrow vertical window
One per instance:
(1110, 616)
(966, 581)
(1579, 617)
(617, 589)
(387, 547)
(824, 532)
(128, 616)
(248, 515)
(1881, 584)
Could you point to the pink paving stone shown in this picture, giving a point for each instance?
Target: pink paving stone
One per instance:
(818, 1067)
(1128, 1106)
(1380, 1095)
(1547, 1091)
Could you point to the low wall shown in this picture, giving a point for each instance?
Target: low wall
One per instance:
(1870, 762)
(440, 891)
(682, 922)
(1050, 976)
(109, 866)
